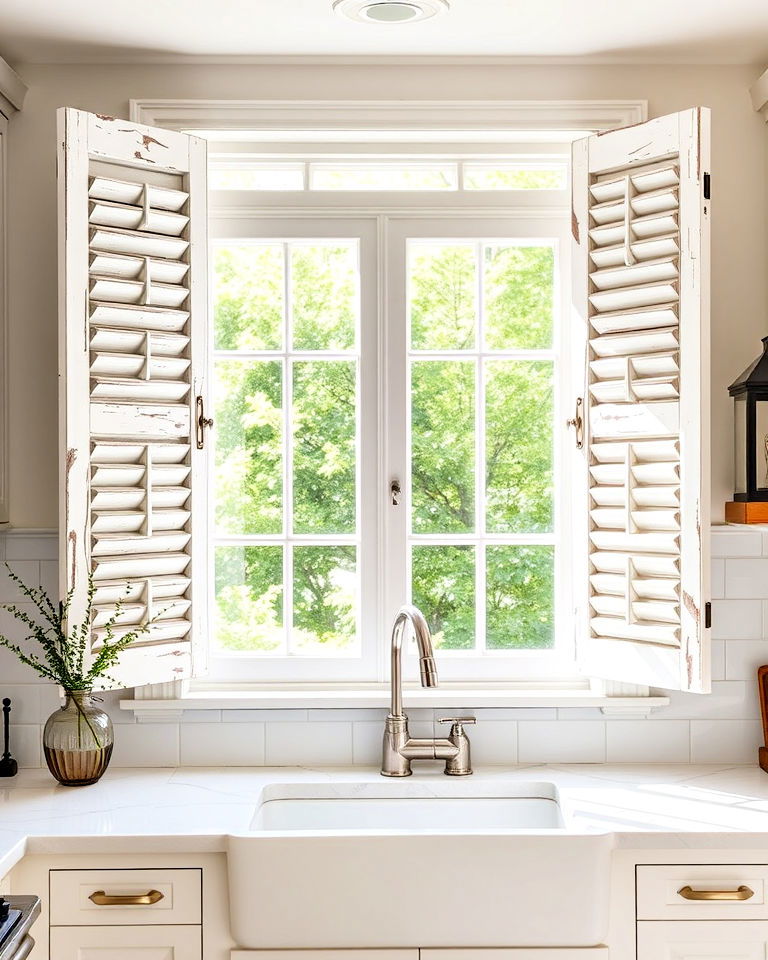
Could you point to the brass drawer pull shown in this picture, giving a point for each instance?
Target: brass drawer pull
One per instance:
(742, 893)
(101, 899)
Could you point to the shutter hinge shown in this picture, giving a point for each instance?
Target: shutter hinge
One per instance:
(707, 186)
(707, 615)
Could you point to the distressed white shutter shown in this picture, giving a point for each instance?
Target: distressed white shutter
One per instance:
(132, 270)
(641, 275)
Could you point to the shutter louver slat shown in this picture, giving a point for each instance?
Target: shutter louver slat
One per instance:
(135, 243)
(639, 223)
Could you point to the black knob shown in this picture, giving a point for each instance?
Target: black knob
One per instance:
(4, 910)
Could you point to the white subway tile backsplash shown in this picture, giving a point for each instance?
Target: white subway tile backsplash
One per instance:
(743, 657)
(259, 716)
(25, 700)
(222, 744)
(729, 700)
(640, 741)
(30, 547)
(582, 741)
(289, 744)
(720, 727)
(28, 572)
(718, 659)
(745, 579)
(146, 745)
(26, 744)
(729, 541)
(728, 741)
(494, 742)
(367, 738)
(737, 619)
(718, 578)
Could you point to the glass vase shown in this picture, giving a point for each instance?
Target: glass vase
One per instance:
(78, 740)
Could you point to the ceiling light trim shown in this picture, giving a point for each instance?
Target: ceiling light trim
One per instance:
(402, 11)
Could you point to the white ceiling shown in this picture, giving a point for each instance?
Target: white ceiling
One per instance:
(709, 31)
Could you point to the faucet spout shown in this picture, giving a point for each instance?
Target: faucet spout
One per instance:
(427, 666)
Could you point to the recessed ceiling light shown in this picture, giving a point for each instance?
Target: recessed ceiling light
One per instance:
(390, 11)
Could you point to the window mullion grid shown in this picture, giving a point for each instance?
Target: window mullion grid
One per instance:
(480, 492)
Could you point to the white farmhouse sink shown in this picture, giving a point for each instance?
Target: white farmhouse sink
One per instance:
(409, 813)
(416, 864)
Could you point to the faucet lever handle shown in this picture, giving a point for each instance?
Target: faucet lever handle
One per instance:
(458, 723)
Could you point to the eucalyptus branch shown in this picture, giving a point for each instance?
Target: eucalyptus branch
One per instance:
(63, 647)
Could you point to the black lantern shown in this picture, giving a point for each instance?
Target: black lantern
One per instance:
(750, 406)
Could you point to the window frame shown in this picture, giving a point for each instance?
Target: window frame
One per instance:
(559, 663)
(240, 215)
(272, 124)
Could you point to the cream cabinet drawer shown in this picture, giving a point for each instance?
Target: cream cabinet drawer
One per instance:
(702, 892)
(91, 897)
(700, 939)
(126, 943)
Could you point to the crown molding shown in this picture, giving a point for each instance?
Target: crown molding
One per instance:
(13, 90)
(424, 115)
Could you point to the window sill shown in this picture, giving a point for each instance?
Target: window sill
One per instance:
(151, 707)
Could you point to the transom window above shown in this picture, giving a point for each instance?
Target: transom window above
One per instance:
(386, 174)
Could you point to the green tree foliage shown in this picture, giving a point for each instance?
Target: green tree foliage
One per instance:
(514, 283)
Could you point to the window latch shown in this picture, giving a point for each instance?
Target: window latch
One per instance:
(201, 422)
(395, 492)
(577, 422)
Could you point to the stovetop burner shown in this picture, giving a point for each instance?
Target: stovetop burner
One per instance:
(17, 914)
(8, 920)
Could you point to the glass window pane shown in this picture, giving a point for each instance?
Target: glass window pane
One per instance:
(324, 426)
(249, 599)
(443, 588)
(519, 446)
(249, 428)
(248, 296)
(257, 176)
(324, 295)
(520, 597)
(442, 295)
(519, 296)
(443, 446)
(324, 600)
(383, 176)
(520, 175)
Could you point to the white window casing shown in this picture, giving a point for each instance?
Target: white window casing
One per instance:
(640, 229)
(133, 304)
(128, 398)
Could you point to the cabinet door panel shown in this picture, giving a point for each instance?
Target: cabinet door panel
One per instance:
(702, 940)
(126, 943)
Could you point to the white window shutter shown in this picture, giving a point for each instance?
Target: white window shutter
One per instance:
(640, 228)
(133, 273)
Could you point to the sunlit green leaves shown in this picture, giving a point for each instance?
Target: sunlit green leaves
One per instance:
(520, 593)
(324, 468)
(324, 295)
(248, 471)
(519, 296)
(443, 580)
(248, 293)
(442, 295)
(324, 599)
(443, 446)
(249, 598)
(518, 446)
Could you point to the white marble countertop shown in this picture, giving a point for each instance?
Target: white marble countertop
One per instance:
(196, 809)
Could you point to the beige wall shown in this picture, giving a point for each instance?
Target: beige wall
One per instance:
(739, 236)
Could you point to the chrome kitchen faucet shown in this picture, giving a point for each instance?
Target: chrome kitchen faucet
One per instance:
(399, 748)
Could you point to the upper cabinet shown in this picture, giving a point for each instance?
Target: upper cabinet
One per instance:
(12, 92)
